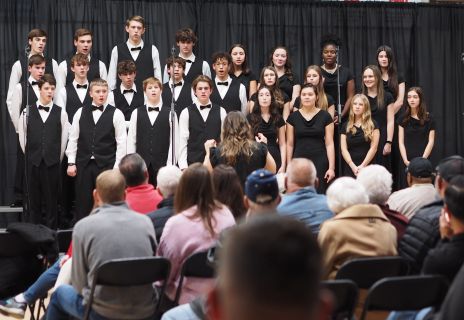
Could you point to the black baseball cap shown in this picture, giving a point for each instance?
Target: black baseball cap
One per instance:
(420, 168)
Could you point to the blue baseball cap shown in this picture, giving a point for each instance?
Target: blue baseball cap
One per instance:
(261, 186)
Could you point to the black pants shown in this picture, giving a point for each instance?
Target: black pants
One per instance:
(67, 196)
(85, 184)
(19, 188)
(44, 184)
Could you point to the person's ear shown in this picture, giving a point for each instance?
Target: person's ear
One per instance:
(316, 183)
(96, 198)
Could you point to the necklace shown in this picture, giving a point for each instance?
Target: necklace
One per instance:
(331, 71)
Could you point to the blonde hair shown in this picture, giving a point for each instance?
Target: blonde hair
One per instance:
(98, 82)
(236, 138)
(367, 124)
(322, 102)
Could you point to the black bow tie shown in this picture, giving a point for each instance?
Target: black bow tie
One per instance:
(83, 86)
(189, 61)
(225, 83)
(153, 109)
(205, 107)
(127, 91)
(46, 109)
(94, 108)
(178, 84)
(33, 83)
(136, 48)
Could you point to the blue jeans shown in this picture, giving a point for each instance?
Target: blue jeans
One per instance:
(45, 282)
(66, 301)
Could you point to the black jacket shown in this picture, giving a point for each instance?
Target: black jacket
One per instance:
(160, 216)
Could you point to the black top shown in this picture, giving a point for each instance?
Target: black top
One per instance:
(389, 90)
(245, 79)
(73, 103)
(32, 96)
(446, 258)
(330, 83)
(184, 99)
(286, 85)
(231, 100)
(330, 102)
(144, 62)
(380, 115)
(160, 216)
(195, 70)
(242, 166)
(121, 102)
(416, 136)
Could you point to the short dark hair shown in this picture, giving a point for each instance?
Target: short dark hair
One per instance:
(454, 197)
(450, 167)
(186, 35)
(79, 58)
(47, 78)
(126, 67)
(82, 32)
(221, 56)
(36, 59)
(202, 78)
(170, 61)
(133, 168)
(273, 261)
(36, 33)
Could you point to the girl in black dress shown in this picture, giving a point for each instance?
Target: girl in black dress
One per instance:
(416, 129)
(240, 70)
(392, 81)
(269, 78)
(266, 120)
(325, 102)
(329, 47)
(310, 135)
(382, 111)
(288, 81)
(359, 137)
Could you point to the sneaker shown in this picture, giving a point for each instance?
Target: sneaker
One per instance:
(12, 307)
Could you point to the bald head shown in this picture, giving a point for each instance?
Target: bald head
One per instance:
(300, 173)
(110, 186)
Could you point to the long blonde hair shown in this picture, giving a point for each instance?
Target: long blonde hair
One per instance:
(367, 124)
(322, 102)
(236, 138)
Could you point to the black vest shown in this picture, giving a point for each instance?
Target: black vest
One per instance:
(25, 62)
(94, 70)
(231, 101)
(153, 140)
(195, 70)
(120, 102)
(73, 103)
(44, 138)
(200, 131)
(144, 63)
(96, 140)
(32, 97)
(184, 99)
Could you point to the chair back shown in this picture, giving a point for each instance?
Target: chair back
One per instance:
(406, 293)
(345, 293)
(366, 271)
(64, 238)
(12, 244)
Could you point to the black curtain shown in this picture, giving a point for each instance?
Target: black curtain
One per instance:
(428, 42)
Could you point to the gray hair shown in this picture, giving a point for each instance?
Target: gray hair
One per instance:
(167, 180)
(301, 172)
(378, 183)
(344, 193)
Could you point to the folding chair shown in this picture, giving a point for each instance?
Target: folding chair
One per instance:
(345, 293)
(197, 265)
(406, 293)
(64, 239)
(130, 272)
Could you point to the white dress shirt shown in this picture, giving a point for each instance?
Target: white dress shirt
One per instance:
(62, 98)
(184, 132)
(119, 131)
(152, 115)
(242, 92)
(22, 126)
(128, 96)
(112, 70)
(63, 72)
(205, 69)
(17, 99)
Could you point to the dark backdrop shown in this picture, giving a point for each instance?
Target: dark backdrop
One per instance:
(428, 41)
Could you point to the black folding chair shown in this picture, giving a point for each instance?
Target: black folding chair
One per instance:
(197, 265)
(129, 272)
(64, 239)
(366, 271)
(406, 293)
(345, 293)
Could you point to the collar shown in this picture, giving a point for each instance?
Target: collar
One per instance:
(103, 207)
(31, 79)
(361, 211)
(229, 79)
(86, 82)
(198, 104)
(130, 45)
(191, 57)
(144, 186)
(158, 105)
(122, 88)
(50, 105)
(308, 189)
(422, 185)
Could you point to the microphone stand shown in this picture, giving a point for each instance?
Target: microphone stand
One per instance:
(27, 51)
(339, 110)
(172, 113)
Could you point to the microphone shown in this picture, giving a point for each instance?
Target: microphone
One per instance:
(462, 57)
(173, 51)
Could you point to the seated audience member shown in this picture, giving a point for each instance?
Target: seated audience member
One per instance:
(261, 193)
(228, 190)
(419, 175)
(452, 307)
(422, 233)
(167, 180)
(359, 229)
(448, 256)
(194, 227)
(301, 201)
(140, 195)
(378, 184)
(127, 234)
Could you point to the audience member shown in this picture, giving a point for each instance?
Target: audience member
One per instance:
(378, 184)
(359, 229)
(195, 227)
(261, 193)
(140, 195)
(301, 201)
(115, 232)
(228, 190)
(452, 307)
(419, 175)
(422, 233)
(168, 178)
